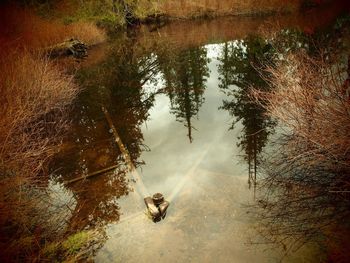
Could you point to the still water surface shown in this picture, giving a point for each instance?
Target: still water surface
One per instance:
(178, 97)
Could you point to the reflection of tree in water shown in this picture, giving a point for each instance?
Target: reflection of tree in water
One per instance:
(237, 76)
(185, 75)
(117, 85)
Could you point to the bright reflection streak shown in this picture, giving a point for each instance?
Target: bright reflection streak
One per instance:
(188, 175)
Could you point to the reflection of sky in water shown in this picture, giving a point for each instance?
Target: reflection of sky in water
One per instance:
(206, 180)
(171, 152)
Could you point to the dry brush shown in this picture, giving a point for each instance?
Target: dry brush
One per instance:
(35, 97)
(306, 179)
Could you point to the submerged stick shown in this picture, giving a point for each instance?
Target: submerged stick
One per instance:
(91, 174)
(125, 154)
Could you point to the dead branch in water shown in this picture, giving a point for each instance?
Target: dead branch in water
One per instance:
(83, 177)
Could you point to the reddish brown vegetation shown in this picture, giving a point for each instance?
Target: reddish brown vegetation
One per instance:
(35, 94)
(35, 98)
(308, 97)
(21, 27)
(308, 173)
(187, 8)
(32, 88)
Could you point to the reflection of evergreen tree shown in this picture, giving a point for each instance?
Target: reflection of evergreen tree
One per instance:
(116, 84)
(127, 102)
(185, 74)
(237, 76)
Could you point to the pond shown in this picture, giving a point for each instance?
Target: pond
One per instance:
(177, 95)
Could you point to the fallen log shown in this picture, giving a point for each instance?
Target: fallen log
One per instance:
(131, 167)
(91, 175)
(72, 47)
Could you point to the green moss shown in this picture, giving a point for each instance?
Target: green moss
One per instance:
(75, 242)
(61, 251)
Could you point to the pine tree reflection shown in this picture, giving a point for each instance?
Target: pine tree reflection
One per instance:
(237, 76)
(116, 84)
(185, 73)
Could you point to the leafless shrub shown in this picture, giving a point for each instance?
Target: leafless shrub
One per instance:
(310, 99)
(35, 95)
(34, 91)
(306, 183)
